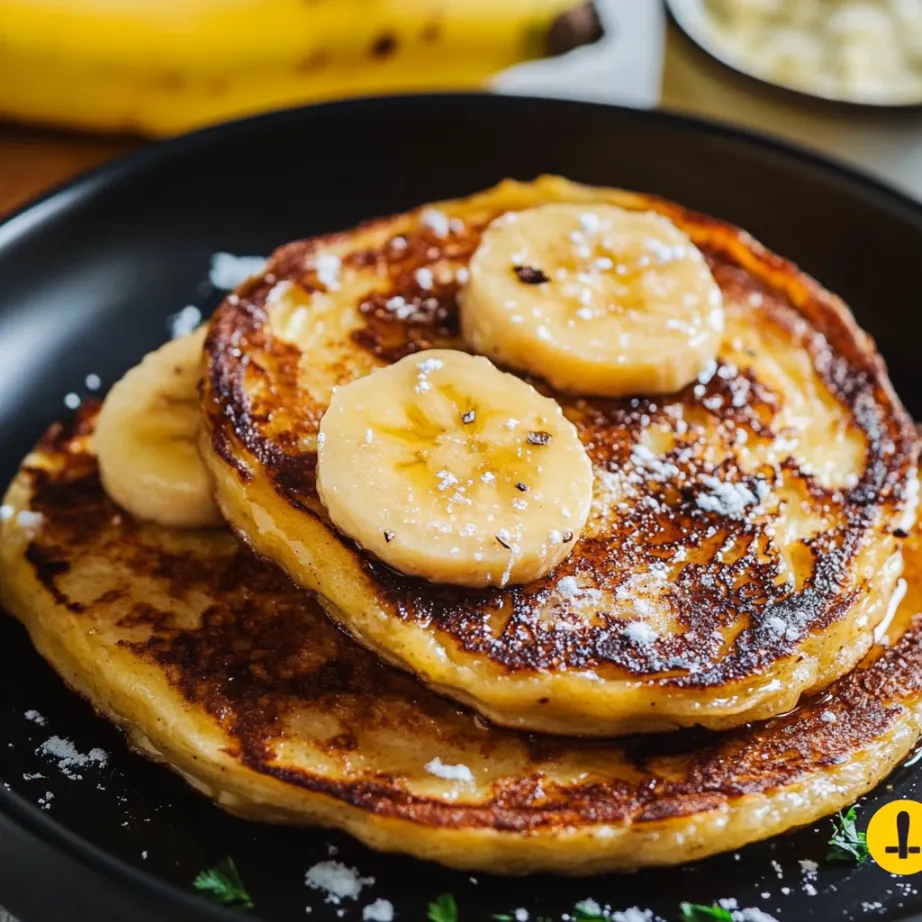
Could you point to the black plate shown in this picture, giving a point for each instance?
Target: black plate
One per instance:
(88, 278)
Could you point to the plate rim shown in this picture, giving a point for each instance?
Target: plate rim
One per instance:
(27, 216)
(35, 214)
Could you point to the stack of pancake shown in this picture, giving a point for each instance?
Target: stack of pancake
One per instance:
(437, 520)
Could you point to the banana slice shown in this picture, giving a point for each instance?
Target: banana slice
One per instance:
(449, 469)
(146, 439)
(593, 298)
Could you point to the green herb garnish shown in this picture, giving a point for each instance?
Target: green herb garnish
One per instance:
(847, 843)
(222, 884)
(589, 911)
(444, 909)
(694, 912)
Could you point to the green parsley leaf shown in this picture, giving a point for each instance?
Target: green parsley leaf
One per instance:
(694, 912)
(589, 911)
(222, 884)
(444, 909)
(847, 842)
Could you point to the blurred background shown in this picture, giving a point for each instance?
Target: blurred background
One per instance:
(83, 81)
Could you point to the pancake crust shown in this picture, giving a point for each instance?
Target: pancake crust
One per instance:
(213, 663)
(747, 522)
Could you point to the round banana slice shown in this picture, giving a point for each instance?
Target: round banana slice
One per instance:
(449, 469)
(146, 439)
(594, 299)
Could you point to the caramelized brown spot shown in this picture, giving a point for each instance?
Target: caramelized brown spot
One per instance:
(262, 655)
(728, 598)
(528, 275)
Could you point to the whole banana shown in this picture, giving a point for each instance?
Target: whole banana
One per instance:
(168, 66)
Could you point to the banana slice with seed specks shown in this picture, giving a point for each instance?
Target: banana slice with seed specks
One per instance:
(146, 439)
(449, 469)
(593, 298)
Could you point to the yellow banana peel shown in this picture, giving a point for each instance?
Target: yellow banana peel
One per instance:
(159, 67)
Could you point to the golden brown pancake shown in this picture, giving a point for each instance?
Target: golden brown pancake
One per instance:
(746, 524)
(216, 665)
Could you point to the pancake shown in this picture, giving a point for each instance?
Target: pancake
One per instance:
(214, 664)
(742, 540)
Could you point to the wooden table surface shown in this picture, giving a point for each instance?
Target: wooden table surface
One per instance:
(33, 160)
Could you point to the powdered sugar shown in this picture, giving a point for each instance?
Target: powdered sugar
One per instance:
(69, 759)
(436, 221)
(568, 587)
(185, 322)
(338, 881)
(590, 222)
(782, 628)
(423, 370)
(327, 267)
(733, 500)
(278, 292)
(446, 479)
(592, 908)
(401, 308)
(30, 522)
(640, 632)
(653, 466)
(227, 271)
(449, 772)
(378, 911)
